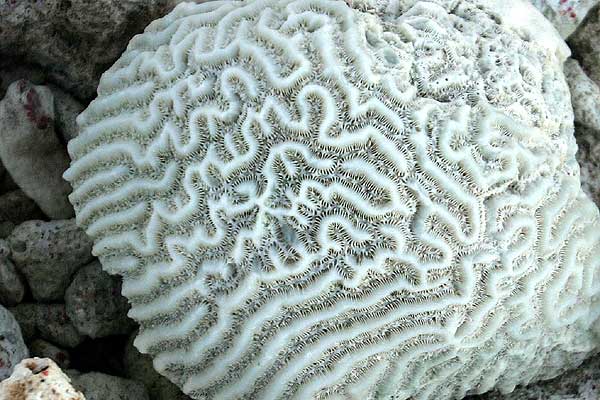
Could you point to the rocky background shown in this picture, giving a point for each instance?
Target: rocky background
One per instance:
(55, 300)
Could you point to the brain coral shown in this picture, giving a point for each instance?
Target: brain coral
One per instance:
(350, 200)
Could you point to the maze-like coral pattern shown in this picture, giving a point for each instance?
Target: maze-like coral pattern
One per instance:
(346, 200)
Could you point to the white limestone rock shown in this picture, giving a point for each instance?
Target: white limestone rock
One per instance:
(344, 199)
(30, 149)
(12, 346)
(38, 379)
(48, 254)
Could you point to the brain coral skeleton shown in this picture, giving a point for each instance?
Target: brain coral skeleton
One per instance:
(312, 199)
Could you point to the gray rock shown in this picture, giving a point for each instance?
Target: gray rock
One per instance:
(74, 41)
(588, 157)
(12, 288)
(30, 149)
(48, 321)
(138, 366)
(98, 386)
(43, 349)
(16, 207)
(66, 108)
(582, 383)
(12, 346)
(95, 304)
(585, 44)
(585, 96)
(48, 254)
(6, 228)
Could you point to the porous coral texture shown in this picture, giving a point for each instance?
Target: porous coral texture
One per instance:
(343, 199)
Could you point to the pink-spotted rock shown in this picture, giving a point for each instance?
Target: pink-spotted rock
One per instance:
(30, 149)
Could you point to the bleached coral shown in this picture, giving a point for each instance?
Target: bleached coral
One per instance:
(329, 199)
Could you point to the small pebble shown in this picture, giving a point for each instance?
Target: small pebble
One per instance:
(95, 304)
(12, 346)
(48, 254)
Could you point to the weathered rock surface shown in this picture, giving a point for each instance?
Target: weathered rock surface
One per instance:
(12, 346)
(38, 379)
(66, 109)
(98, 386)
(585, 96)
(585, 44)
(12, 288)
(48, 321)
(44, 349)
(74, 41)
(48, 254)
(95, 304)
(138, 366)
(30, 149)
(588, 157)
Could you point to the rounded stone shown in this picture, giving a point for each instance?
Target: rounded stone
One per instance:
(12, 288)
(48, 254)
(47, 321)
(12, 346)
(95, 305)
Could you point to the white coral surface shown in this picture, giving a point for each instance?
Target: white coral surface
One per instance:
(368, 199)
